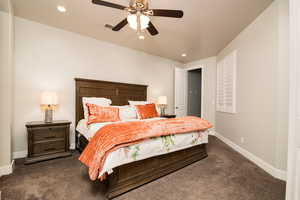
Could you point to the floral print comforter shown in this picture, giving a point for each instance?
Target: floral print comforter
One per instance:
(146, 149)
(153, 147)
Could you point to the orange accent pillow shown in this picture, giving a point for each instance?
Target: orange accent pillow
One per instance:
(146, 111)
(98, 114)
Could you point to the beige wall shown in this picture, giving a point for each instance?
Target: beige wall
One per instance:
(209, 87)
(6, 86)
(49, 59)
(262, 87)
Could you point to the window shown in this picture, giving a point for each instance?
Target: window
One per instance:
(226, 83)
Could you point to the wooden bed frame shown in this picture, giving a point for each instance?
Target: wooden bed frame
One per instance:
(132, 175)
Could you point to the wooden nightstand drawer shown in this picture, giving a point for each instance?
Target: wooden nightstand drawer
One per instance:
(48, 147)
(47, 140)
(48, 133)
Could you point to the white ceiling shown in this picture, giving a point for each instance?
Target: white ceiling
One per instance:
(206, 28)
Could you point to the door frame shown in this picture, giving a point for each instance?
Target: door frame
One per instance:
(202, 86)
(293, 174)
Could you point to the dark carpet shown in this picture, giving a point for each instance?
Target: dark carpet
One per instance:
(223, 175)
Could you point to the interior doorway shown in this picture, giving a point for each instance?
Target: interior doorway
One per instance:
(194, 89)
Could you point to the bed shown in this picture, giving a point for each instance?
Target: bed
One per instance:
(132, 173)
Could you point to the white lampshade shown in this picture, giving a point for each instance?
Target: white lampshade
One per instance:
(49, 98)
(132, 21)
(162, 100)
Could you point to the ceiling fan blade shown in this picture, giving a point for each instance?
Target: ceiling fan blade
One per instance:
(120, 25)
(152, 30)
(108, 4)
(108, 26)
(167, 13)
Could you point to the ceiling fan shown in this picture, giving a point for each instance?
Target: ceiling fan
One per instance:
(138, 16)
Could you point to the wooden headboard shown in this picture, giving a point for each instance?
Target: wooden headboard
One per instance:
(119, 93)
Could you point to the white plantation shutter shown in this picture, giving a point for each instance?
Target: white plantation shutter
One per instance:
(220, 91)
(226, 84)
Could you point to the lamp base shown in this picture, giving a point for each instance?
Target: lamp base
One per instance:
(162, 111)
(48, 116)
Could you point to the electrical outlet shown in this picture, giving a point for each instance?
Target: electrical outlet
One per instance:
(242, 140)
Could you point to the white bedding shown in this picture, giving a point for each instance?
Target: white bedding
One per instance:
(149, 148)
(88, 131)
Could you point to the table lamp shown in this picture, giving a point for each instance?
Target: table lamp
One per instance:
(162, 104)
(49, 101)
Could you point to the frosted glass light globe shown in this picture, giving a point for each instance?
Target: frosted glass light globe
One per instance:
(132, 21)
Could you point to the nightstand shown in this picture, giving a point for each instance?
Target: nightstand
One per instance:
(168, 116)
(47, 140)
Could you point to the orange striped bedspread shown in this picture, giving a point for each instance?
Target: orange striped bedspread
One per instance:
(114, 136)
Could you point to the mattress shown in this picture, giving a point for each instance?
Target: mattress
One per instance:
(146, 149)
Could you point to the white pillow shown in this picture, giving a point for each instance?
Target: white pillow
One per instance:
(134, 103)
(93, 100)
(127, 113)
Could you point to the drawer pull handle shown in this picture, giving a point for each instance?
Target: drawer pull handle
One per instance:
(50, 149)
(49, 137)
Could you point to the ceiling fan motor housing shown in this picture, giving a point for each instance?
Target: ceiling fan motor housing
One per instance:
(140, 4)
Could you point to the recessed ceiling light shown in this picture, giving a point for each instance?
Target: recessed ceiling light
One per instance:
(61, 9)
(183, 55)
(141, 37)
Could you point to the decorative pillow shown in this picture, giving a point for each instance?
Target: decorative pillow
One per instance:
(95, 101)
(127, 113)
(146, 111)
(99, 114)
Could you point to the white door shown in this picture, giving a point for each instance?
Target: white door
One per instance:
(293, 178)
(180, 92)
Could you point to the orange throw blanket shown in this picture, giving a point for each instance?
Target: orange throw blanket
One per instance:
(114, 136)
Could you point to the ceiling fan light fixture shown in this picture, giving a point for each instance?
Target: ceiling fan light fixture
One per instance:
(132, 21)
(138, 15)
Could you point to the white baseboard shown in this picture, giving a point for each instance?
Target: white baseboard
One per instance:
(8, 169)
(277, 173)
(12, 166)
(19, 154)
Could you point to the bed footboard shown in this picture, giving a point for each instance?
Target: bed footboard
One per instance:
(133, 175)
